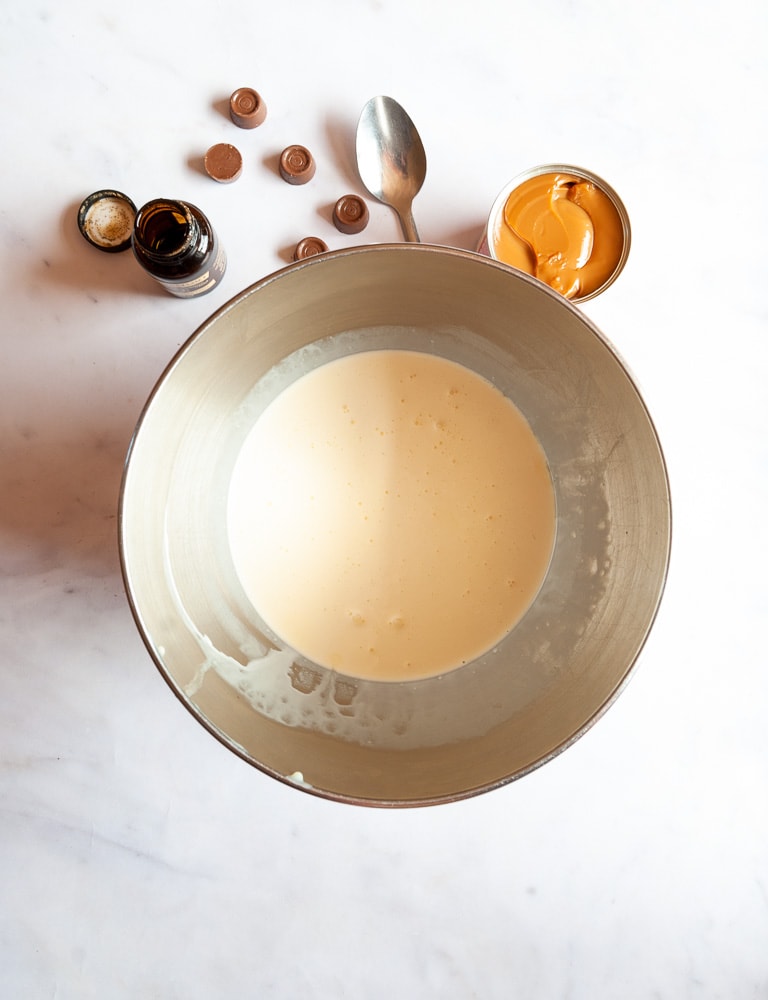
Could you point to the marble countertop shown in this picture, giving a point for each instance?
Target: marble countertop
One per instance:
(138, 856)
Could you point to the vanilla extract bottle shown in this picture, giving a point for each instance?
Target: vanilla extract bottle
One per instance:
(175, 243)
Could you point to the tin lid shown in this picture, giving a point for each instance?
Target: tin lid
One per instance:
(106, 219)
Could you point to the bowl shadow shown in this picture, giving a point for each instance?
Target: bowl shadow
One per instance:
(60, 496)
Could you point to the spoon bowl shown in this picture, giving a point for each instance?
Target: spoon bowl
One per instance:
(391, 159)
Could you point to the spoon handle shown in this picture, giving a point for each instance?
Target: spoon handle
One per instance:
(409, 227)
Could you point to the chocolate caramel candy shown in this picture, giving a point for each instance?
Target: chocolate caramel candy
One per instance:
(310, 246)
(350, 214)
(246, 108)
(297, 165)
(223, 163)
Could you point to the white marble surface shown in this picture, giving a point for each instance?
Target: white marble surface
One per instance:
(138, 857)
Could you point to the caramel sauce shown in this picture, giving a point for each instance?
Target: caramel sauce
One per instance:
(562, 229)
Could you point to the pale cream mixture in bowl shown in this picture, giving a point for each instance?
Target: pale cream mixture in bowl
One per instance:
(395, 524)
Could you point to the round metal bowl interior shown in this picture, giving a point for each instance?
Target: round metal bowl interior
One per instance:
(475, 727)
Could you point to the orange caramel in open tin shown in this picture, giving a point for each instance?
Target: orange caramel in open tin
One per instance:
(563, 225)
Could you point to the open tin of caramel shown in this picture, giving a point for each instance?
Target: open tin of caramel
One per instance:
(563, 225)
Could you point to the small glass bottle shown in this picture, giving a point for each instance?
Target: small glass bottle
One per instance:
(175, 243)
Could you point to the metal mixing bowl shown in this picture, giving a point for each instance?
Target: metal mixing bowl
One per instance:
(483, 724)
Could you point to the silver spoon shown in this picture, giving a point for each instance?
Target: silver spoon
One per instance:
(391, 159)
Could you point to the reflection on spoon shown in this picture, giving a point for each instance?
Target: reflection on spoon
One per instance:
(391, 159)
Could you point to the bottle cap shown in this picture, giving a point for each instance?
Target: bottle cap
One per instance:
(105, 219)
(350, 214)
(310, 246)
(297, 165)
(223, 163)
(246, 108)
